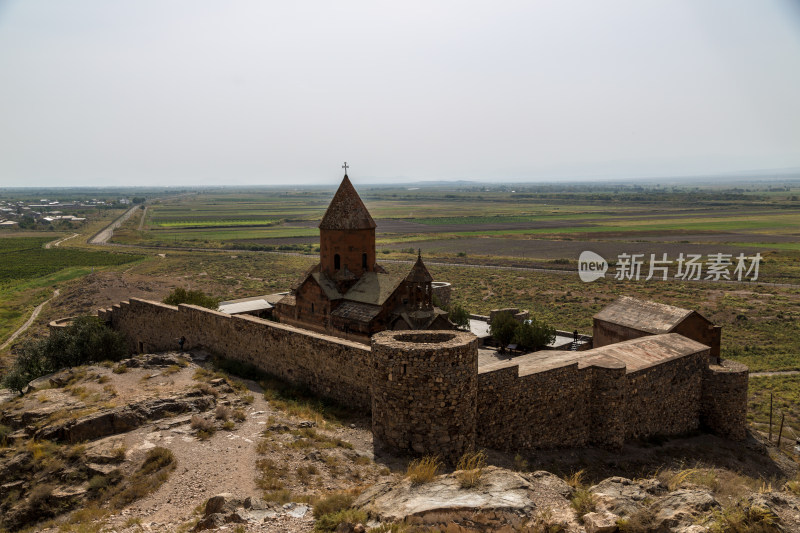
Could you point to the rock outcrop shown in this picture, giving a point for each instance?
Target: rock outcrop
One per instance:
(123, 419)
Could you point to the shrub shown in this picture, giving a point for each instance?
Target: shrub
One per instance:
(533, 334)
(98, 482)
(583, 502)
(423, 470)
(85, 340)
(5, 431)
(502, 329)
(333, 503)
(182, 296)
(459, 316)
(239, 415)
(330, 522)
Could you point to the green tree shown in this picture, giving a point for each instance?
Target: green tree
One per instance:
(502, 329)
(183, 296)
(534, 334)
(85, 340)
(459, 316)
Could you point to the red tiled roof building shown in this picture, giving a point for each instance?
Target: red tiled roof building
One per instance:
(348, 294)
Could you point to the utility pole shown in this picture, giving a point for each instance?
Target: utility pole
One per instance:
(780, 432)
(770, 417)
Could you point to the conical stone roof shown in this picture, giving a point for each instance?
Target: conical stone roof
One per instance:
(419, 272)
(346, 210)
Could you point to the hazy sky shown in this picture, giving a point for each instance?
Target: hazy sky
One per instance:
(142, 92)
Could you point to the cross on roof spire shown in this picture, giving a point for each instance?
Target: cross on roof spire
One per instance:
(345, 168)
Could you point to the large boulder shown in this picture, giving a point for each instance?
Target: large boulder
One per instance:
(604, 522)
(502, 498)
(620, 495)
(680, 508)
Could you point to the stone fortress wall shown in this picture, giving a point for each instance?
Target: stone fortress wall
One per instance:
(328, 366)
(428, 395)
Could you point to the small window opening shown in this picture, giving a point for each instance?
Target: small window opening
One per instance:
(312, 307)
(364, 261)
(337, 262)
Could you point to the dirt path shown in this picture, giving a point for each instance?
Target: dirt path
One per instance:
(141, 221)
(28, 322)
(106, 233)
(774, 373)
(56, 243)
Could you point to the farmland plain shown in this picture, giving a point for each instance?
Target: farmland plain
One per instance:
(498, 247)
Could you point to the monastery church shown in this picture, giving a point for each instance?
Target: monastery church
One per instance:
(348, 294)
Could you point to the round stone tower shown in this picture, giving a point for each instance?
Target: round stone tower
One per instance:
(424, 391)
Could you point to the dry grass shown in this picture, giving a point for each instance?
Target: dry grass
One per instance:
(222, 412)
(154, 471)
(470, 468)
(641, 521)
(310, 438)
(172, 369)
(743, 518)
(423, 470)
(205, 428)
(271, 475)
(543, 522)
(575, 480)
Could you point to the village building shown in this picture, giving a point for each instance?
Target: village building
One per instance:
(630, 318)
(348, 294)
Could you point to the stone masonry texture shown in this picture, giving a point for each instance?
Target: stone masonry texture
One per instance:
(428, 395)
(424, 391)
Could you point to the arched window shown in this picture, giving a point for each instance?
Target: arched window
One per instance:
(364, 261)
(337, 262)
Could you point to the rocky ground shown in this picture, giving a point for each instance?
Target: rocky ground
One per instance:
(164, 442)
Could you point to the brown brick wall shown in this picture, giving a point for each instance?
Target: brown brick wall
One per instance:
(349, 244)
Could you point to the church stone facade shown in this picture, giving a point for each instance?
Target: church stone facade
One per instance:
(348, 294)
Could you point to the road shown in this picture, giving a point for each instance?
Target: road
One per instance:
(56, 243)
(105, 234)
(28, 322)
(144, 215)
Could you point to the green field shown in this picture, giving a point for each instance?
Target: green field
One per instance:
(23, 259)
(29, 272)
